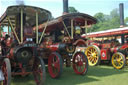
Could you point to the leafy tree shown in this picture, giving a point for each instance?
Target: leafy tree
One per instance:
(126, 21)
(100, 17)
(114, 13)
(115, 18)
(106, 22)
(72, 10)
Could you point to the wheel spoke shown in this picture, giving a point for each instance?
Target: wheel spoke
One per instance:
(56, 64)
(80, 68)
(89, 51)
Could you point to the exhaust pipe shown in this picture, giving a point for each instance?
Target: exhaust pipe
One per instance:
(121, 8)
(65, 6)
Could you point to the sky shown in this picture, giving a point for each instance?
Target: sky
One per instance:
(90, 7)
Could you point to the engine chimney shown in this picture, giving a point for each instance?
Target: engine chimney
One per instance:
(65, 6)
(121, 8)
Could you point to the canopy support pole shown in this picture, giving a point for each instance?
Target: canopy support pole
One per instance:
(86, 27)
(36, 27)
(21, 26)
(8, 28)
(86, 30)
(13, 30)
(43, 31)
(66, 28)
(72, 29)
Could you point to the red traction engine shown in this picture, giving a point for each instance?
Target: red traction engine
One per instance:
(110, 46)
(59, 41)
(19, 48)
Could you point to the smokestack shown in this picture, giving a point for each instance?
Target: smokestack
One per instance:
(121, 8)
(65, 6)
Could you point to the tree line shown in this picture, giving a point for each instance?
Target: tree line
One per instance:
(104, 22)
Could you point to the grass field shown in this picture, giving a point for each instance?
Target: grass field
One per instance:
(99, 75)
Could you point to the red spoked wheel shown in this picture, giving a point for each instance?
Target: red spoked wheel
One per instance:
(6, 69)
(55, 65)
(39, 71)
(80, 63)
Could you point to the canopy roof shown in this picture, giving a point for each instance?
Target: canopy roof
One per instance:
(30, 11)
(78, 18)
(81, 17)
(107, 33)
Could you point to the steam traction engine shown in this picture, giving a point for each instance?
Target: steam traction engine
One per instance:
(60, 39)
(109, 46)
(20, 46)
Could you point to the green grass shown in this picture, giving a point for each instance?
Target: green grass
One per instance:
(99, 75)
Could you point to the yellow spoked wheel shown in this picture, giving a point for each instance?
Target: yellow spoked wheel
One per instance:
(93, 54)
(118, 60)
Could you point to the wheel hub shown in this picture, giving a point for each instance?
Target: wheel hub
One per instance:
(24, 54)
(53, 65)
(93, 55)
(118, 60)
(80, 63)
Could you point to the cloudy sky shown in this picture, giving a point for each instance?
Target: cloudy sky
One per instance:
(56, 6)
